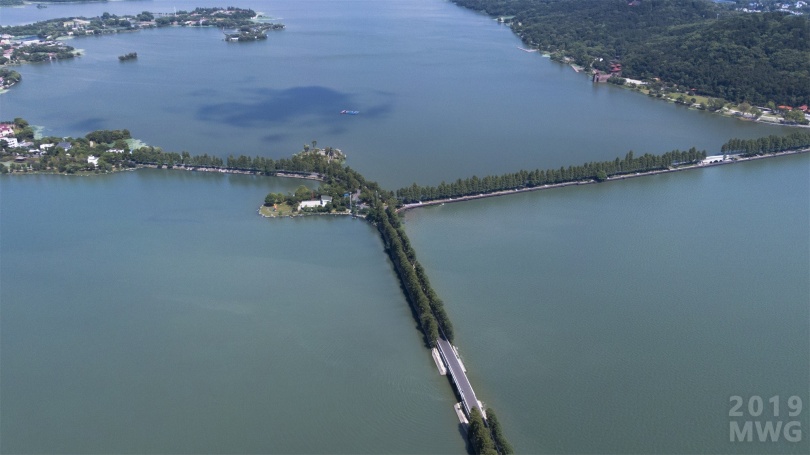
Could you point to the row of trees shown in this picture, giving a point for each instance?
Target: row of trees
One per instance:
(770, 144)
(487, 437)
(479, 435)
(108, 136)
(528, 179)
(428, 309)
(498, 438)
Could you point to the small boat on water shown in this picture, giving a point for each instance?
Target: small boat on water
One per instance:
(345, 112)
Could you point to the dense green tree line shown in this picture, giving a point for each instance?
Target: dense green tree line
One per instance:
(695, 44)
(479, 435)
(427, 307)
(108, 136)
(501, 444)
(529, 179)
(745, 57)
(770, 144)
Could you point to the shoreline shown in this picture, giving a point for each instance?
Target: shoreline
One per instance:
(416, 205)
(306, 214)
(730, 112)
(284, 174)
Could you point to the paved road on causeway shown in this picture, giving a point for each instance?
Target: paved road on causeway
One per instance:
(458, 375)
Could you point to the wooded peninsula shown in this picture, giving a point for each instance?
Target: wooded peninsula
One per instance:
(699, 47)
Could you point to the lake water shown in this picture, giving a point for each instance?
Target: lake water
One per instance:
(620, 318)
(155, 312)
(443, 93)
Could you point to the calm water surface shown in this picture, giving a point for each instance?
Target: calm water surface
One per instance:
(155, 312)
(443, 92)
(620, 318)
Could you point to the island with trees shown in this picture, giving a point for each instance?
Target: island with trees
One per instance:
(8, 78)
(238, 24)
(224, 18)
(252, 32)
(707, 54)
(33, 52)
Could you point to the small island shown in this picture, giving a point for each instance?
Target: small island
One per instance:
(252, 32)
(130, 56)
(8, 78)
(229, 18)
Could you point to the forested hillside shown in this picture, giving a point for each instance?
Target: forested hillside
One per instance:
(753, 57)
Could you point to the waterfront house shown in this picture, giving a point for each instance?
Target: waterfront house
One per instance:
(76, 23)
(92, 160)
(316, 203)
(10, 141)
(65, 145)
(6, 130)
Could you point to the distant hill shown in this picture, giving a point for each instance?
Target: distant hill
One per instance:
(754, 57)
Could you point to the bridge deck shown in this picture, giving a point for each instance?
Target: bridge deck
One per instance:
(459, 377)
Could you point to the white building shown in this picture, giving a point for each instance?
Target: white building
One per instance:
(92, 160)
(6, 130)
(316, 203)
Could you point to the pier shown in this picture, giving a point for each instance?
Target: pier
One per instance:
(459, 377)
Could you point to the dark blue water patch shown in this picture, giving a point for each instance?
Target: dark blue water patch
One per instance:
(276, 137)
(89, 124)
(312, 105)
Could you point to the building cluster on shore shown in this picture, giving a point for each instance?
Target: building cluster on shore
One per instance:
(38, 42)
(32, 49)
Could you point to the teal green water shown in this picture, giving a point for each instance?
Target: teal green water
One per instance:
(155, 312)
(620, 318)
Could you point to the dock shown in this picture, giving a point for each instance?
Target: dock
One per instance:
(457, 374)
(439, 363)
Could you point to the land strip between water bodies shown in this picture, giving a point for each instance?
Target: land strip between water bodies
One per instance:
(383, 208)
